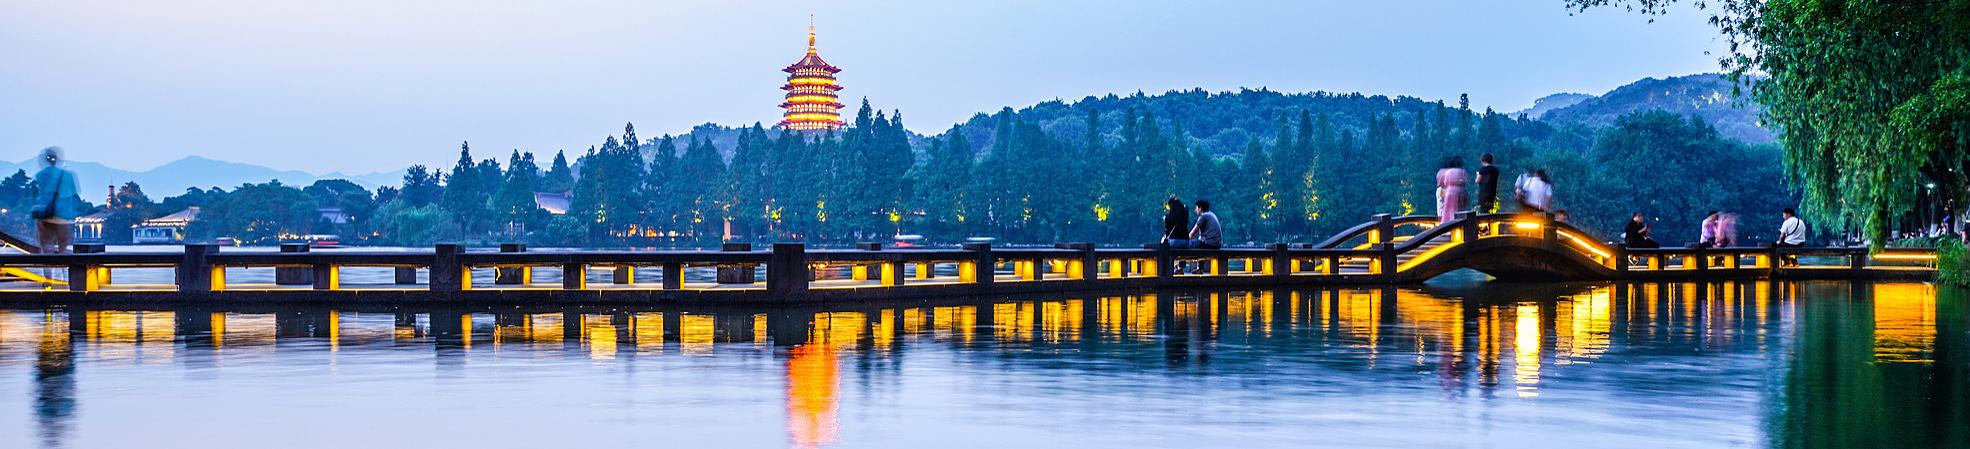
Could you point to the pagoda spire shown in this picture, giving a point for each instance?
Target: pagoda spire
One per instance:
(812, 101)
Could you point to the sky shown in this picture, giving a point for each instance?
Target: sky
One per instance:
(369, 85)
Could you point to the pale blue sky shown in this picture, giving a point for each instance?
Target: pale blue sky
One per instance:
(370, 85)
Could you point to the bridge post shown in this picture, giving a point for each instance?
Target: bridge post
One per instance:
(980, 269)
(1386, 260)
(1384, 229)
(1165, 262)
(1702, 259)
(1084, 266)
(1281, 263)
(324, 276)
(196, 274)
(574, 276)
(1620, 253)
(1549, 230)
(293, 275)
(513, 275)
(786, 271)
(86, 278)
(674, 275)
(735, 273)
(446, 273)
(1468, 230)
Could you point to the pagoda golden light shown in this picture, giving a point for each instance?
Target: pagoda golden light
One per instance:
(811, 103)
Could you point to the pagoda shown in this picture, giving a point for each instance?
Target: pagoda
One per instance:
(811, 101)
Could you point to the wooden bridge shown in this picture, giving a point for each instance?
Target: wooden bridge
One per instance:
(1386, 250)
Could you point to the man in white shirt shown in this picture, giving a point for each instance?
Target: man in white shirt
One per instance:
(1791, 232)
(1535, 193)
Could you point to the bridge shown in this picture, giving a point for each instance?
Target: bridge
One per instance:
(1384, 251)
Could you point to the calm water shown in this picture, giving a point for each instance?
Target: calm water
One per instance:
(1664, 365)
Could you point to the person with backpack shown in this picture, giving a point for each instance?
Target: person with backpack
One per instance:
(55, 203)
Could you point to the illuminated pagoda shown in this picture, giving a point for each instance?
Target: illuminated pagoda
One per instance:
(811, 101)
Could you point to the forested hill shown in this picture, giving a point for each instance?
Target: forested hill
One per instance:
(1222, 123)
(1707, 95)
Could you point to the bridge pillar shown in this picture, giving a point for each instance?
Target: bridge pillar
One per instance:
(293, 275)
(1280, 266)
(786, 271)
(1386, 260)
(980, 269)
(731, 273)
(324, 276)
(1468, 230)
(674, 276)
(1084, 266)
(196, 274)
(1384, 229)
(574, 276)
(1165, 262)
(513, 275)
(446, 274)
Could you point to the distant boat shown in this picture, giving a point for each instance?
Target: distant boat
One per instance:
(323, 240)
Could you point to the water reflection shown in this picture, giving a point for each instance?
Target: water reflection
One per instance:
(1794, 364)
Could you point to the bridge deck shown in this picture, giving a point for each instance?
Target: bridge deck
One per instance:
(1389, 250)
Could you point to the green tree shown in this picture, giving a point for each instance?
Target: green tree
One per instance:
(1861, 91)
(559, 177)
(465, 195)
(513, 206)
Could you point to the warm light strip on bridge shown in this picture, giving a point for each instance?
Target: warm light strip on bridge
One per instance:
(1904, 256)
(1425, 256)
(1584, 244)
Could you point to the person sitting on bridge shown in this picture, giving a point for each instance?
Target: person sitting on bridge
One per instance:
(1176, 221)
(1207, 234)
(1636, 233)
(1791, 232)
(55, 203)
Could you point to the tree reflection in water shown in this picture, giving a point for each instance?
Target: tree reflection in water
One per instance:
(1840, 364)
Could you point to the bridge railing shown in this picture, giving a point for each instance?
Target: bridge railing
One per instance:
(1381, 228)
(791, 269)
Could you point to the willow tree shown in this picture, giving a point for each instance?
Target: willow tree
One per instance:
(1871, 98)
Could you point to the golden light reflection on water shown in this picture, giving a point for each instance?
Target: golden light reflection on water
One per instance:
(1526, 349)
(1523, 343)
(1904, 322)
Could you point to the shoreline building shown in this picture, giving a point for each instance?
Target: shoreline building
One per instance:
(812, 102)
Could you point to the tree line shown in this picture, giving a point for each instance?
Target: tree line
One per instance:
(1026, 180)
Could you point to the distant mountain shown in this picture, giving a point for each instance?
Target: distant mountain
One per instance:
(1551, 102)
(173, 178)
(1706, 95)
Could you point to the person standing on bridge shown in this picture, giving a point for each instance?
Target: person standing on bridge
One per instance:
(1707, 237)
(55, 203)
(1726, 230)
(1487, 181)
(1450, 189)
(1535, 192)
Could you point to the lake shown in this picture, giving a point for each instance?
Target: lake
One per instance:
(1455, 364)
